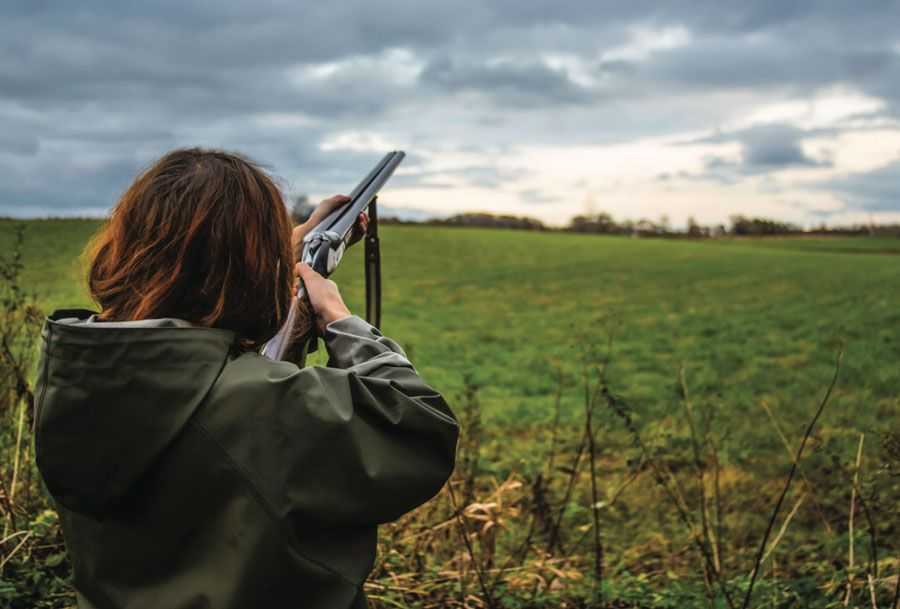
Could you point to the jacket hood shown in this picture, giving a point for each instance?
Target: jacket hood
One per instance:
(112, 396)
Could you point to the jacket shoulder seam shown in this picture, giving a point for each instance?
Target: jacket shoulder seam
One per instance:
(257, 493)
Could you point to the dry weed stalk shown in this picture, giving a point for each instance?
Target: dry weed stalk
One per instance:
(850, 549)
(667, 481)
(790, 453)
(790, 479)
(20, 321)
(708, 536)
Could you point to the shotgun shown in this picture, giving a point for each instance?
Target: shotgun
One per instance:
(323, 248)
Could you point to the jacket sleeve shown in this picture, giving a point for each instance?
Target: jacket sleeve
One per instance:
(361, 441)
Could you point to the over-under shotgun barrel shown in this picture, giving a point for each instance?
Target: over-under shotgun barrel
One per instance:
(323, 248)
(343, 219)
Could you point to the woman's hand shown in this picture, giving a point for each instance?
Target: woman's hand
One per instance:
(320, 213)
(323, 295)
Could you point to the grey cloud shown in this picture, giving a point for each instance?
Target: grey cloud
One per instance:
(877, 190)
(534, 196)
(776, 62)
(87, 175)
(764, 148)
(515, 82)
(19, 144)
(91, 91)
(778, 153)
(776, 146)
(62, 191)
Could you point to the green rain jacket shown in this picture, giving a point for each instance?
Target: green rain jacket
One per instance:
(190, 475)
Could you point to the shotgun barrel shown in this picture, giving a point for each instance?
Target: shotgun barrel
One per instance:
(323, 248)
(324, 245)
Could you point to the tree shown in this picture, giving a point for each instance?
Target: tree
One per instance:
(694, 230)
(664, 224)
(742, 225)
(301, 208)
(596, 223)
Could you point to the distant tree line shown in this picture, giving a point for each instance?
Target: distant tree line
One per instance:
(301, 208)
(603, 223)
(492, 221)
(744, 226)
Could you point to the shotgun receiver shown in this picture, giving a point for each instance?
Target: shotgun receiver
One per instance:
(322, 249)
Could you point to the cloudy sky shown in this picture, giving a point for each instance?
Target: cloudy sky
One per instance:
(787, 109)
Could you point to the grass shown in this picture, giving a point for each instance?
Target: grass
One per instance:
(842, 245)
(754, 323)
(752, 320)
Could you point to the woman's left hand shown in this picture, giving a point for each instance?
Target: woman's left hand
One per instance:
(320, 213)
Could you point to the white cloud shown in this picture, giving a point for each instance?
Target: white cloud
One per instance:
(398, 65)
(645, 41)
(280, 120)
(828, 108)
(359, 141)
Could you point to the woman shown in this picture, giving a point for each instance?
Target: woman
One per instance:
(189, 471)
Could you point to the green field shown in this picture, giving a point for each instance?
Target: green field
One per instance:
(755, 325)
(752, 319)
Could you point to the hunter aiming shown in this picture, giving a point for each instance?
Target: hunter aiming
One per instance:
(189, 469)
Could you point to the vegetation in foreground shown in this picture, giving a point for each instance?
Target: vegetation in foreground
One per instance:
(631, 411)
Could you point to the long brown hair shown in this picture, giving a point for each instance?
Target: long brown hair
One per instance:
(202, 235)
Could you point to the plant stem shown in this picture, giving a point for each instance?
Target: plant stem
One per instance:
(790, 478)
